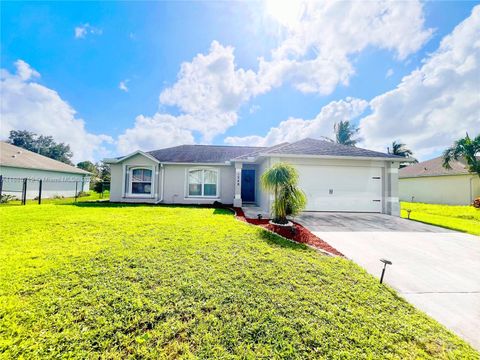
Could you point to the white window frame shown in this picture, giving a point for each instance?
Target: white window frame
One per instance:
(203, 169)
(130, 181)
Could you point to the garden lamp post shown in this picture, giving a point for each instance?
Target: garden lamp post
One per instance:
(385, 263)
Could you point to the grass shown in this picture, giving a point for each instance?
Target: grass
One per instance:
(113, 282)
(92, 196)
(460, 218)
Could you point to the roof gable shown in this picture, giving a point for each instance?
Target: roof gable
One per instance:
(14, 156)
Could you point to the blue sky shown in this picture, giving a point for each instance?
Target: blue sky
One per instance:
(143, 44)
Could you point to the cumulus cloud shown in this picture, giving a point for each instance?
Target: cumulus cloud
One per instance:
(28, 105)
(315, 55)
(155, 132)
(82, 31)
(295, 129)
(435, 104)
(211, 89)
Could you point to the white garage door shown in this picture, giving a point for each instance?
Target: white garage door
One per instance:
(341, 188)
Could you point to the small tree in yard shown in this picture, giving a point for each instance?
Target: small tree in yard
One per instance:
(281, 179)
(465, 148)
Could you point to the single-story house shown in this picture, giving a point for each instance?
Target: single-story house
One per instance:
(58, 179)
(429, 182)
(334, 177)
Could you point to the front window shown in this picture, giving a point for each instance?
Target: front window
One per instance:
(202, 182)
(141, 181)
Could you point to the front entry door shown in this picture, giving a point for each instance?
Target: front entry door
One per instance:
(248, 185)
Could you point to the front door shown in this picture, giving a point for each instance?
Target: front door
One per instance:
(248, 185)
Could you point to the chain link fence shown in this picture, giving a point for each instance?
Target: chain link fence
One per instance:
(23, 189)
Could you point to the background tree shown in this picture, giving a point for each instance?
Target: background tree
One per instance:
(345, 133)
(281, 179)
(465, 148)
(88, 166)
(103, 177)
(43, 145)
(400, 149)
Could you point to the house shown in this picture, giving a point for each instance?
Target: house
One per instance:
(58, 179)
(430, 182)
(334, 177)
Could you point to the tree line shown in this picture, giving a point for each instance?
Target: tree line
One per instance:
(46, 146)
(345, 133)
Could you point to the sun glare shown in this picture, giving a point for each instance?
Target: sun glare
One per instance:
(286, 12)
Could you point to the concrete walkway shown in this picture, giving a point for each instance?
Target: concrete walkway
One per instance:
(437, 270)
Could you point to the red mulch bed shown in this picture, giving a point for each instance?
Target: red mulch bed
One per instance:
(301, 234)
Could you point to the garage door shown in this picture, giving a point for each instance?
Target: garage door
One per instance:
(341, 188)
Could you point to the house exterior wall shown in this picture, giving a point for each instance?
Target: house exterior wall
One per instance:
(390, 200)
(54, 183)
(175, 182)
(450, 190)
(119, 179)
(170, 182)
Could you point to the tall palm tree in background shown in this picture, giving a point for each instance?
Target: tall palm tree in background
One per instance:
(345, 132)
(401, 149)
(465, 148)
(281, 179)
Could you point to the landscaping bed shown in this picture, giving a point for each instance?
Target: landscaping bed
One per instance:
(296, 233)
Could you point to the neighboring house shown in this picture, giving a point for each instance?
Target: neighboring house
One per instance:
(429, 182)
(334, 177)
(58, 179)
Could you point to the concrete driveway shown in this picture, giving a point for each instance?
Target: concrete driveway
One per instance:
(437, 270)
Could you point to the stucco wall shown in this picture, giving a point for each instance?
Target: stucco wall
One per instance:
(118, 183)
(451, 190)
(54, 183)
(175, 191)
(170, 185)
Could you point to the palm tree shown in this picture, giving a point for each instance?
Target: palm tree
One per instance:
(281, 179)
(466, 148)
(344, 133)
(400, 149)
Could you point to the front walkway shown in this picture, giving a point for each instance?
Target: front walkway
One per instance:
(435, 269)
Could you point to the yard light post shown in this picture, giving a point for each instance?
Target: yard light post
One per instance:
(385, 263)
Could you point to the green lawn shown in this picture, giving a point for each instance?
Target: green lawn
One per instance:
(461, 218)
(108, 281)
(91, 195)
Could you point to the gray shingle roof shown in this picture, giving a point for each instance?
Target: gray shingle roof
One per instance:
(433, 167)
(202, 153)
(14, 156)
(326, 148)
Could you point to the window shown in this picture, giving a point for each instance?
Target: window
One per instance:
(202, 182)
(141, 181)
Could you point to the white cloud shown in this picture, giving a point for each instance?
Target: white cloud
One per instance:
(28, 105)
(150, 133)
(123, 85)
(389, 73)
(296, 129)
(435, 104)
(253, 109)
(82, 31)
(211, 89)
(314, 57)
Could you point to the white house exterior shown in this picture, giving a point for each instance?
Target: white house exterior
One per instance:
(334, 177)
(429, 182)
(58, 179)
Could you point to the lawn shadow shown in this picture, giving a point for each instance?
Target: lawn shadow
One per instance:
(279, 241)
